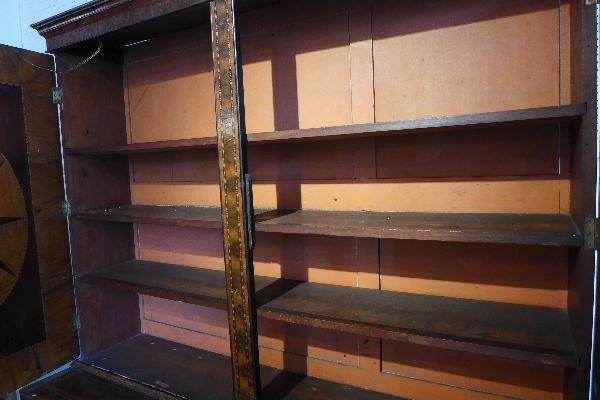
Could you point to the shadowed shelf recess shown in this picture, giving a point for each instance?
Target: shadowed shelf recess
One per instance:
(461, 122)
(540, 229)
(77, 383)
(206, 376)
(531, 333)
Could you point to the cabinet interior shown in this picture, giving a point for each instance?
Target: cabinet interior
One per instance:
(431, 112)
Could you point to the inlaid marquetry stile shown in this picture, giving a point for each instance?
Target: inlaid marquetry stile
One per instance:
(235, 202)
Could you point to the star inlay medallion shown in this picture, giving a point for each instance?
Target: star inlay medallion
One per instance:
(13, 229)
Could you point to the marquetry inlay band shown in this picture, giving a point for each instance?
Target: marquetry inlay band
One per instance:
(238, 265)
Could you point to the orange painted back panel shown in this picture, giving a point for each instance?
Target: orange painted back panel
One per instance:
(356, 62)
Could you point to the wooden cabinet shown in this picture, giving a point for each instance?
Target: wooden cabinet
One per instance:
(423, 193)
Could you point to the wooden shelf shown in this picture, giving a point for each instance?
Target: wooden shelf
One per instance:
(540, 229)
(470, 121)
(531, 333)
(78, 384)
(175, 282)
(199, 217)
(147, 147)
(208, 375)
(522, 332)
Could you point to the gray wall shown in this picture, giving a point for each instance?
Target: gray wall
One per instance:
(17, 15)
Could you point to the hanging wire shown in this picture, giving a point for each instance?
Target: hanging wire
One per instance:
(73, 68)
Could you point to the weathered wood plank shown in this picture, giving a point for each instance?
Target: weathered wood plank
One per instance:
(542, 229)
(531, 333)
(181, 283)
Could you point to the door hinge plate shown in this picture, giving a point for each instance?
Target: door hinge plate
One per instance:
(66, 209)
(77, 322)
(57, 95)
(591, 233)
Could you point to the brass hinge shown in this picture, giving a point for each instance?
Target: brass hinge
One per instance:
(77, 322)
(57, 95)
(66, 209)
(591, 233)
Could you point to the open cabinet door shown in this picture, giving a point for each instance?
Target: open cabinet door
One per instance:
(37, 332)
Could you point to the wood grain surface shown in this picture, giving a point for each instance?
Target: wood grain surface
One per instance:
(43, 162)
(543, 229)
(532, 333)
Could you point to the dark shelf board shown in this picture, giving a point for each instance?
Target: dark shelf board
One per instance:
(539, 229)
(523, 332)
(529, 333)
(146, 147)
(77, 384)
(197, 374)
(174, 282)
(199, 217)
(470, 121)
